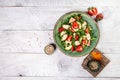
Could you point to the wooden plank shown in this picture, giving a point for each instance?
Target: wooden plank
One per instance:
(57, 65)
(25, 41)
(54, 78)
(33, 18)
(35, 41)
(19, 3)
(44, 18)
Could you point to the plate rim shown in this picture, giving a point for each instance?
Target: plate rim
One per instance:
(70, 13)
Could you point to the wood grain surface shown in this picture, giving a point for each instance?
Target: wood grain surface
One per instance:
(103, 63)
(57, 64)
(26, 28)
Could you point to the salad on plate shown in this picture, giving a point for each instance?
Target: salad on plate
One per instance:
(75, 34)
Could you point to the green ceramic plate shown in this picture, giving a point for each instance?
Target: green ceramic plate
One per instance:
(87, 49)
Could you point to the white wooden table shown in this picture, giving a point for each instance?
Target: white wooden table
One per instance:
(26, 26)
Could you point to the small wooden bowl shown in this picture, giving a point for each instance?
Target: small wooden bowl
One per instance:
(103, 62)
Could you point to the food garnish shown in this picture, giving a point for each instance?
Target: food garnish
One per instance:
(96, 55)
(75, 33)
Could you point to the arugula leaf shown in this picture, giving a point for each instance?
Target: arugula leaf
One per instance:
(82, 32)
(93, 38)
(73, 41)
(66, 21)
(63, 43)
(74, 15)
(81, 21)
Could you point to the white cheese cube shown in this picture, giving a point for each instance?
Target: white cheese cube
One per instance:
(75, 30)
(62, 33)
(72, 20)
(68, 48)
(74, 35)
(64, 37)
(68, 42)
(84, 25)
(66, 26)
(88, 36)
(77, 43)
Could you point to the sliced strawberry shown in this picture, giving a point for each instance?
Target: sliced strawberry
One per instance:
(92, 11)
(76, 37)
(79, 48)
(71, 29)
(61, 29)
(69, 38)
(87, 30)
(95, 10)
(84, 42)
(88, 44)
(75, 25)
(73, 48)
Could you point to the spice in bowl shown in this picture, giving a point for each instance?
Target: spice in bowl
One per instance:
(94, 65)
(96, 55)
(49, 49)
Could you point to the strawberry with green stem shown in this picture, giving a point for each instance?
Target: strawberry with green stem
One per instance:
(92, 11)
(99, 17)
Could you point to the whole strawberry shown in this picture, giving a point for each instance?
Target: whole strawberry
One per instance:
(92, 11)
(99, 17)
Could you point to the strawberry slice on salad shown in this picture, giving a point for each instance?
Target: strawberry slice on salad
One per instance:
(71, 29)
(76, 37)
(79, 48)
(69, 38)
(61, 29)
(84, 42)
(88, 44)
(75, 25)
(73, 48)
(87, 30)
